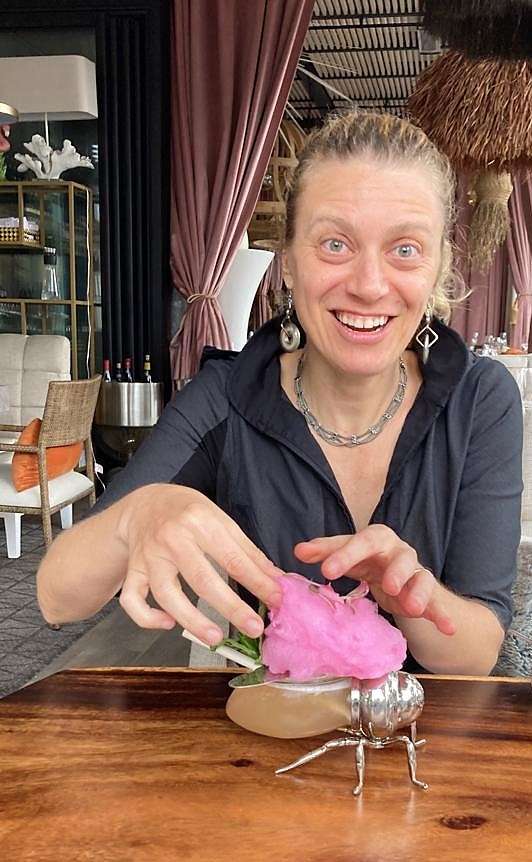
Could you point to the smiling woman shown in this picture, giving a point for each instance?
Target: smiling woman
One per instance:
(354, 456)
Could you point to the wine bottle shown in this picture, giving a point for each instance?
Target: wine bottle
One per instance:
(50, 288)
(118, 373)
(128, 373)
(147, 369)
(106, 377)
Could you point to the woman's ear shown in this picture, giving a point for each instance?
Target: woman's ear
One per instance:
(287, 275)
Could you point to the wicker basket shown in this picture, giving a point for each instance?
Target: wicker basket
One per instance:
(11, 235)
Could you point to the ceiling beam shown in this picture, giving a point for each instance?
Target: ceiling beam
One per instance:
(393, 101)
(360, 17)
(357, 49)
(366, 25)
(400, 77)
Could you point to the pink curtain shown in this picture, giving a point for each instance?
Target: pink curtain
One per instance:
(233, 65)
(519, 244)
(270, 285)
(484, 310)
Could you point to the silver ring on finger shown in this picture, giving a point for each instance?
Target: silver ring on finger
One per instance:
(421, 569)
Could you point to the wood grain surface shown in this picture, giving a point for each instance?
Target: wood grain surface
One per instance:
(142, 764)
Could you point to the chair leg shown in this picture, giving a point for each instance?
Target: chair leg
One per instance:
(66, 517)
(47, 527)
(12, 525)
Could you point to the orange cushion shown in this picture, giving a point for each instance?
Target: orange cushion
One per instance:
(25, 465)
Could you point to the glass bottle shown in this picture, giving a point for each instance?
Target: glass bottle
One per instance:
(474, 342)
(118, 373)
(147, 369)
(128, 373)
(49, 288)
(106, 377)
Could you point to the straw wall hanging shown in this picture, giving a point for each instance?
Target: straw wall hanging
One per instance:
(479, 112)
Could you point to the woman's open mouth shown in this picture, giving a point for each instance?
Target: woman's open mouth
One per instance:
(354, 323)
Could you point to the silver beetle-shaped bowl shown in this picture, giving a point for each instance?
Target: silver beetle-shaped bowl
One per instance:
(372, 711)
(379, 709)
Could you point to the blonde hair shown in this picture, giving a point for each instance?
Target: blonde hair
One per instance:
(389, 139)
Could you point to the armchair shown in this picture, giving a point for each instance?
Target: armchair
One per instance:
(68, 415)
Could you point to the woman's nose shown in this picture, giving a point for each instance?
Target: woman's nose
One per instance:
(367, 279)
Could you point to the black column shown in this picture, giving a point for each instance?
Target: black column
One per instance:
(134, 204)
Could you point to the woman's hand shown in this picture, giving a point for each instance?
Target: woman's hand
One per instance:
(398, 581)
(170, 530)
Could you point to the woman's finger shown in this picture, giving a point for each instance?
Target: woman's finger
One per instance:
(161, 575)
(231, 549)
(209, 585)
(416, 593)
(254, 553)
(340, 554)
(419, 599)
(436, 613)
(237, 556)
(317, 550)
(403, 565)
(133, 597)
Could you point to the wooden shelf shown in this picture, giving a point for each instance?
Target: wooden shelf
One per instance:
(21, 246)
(63, 212)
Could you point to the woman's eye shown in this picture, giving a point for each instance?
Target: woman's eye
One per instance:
(336, 246)
(406, 251)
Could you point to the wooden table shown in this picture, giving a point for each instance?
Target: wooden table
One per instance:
(142, 764)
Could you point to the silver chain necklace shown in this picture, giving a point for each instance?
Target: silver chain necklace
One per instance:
(373, 431)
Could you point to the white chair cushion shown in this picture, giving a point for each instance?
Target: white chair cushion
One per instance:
(46, 357)
(27, 364)
(12, 348)
(8, 437)
(50, 353)
(60, 490)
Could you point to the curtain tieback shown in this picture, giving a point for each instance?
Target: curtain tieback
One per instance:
(195, 296)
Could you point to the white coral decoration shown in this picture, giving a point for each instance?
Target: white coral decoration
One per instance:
(50, 164)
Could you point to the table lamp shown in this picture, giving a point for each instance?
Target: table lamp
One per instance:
(50, 88)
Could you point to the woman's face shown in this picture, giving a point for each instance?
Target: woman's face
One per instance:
(364, 260)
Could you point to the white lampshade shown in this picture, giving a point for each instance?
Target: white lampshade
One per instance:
(63, 87)
(8, 114)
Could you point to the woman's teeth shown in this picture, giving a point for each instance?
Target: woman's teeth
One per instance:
(361, 323)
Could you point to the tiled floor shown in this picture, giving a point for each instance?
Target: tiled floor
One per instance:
(27, 644)
(29, 648)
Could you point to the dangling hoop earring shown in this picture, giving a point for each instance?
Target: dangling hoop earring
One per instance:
(426, 337)
(290, 336)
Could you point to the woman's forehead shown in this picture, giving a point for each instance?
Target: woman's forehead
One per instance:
(331, 185)
(356, 171)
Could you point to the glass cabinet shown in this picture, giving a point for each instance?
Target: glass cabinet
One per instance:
(46, 265)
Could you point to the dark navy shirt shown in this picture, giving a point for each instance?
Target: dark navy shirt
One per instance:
(453, 489)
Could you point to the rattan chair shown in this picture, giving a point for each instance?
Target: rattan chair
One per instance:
(68, 415)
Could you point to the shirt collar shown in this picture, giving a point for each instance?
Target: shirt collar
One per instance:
(254, 387)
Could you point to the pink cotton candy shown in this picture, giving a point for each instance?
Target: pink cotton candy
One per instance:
(318, 633)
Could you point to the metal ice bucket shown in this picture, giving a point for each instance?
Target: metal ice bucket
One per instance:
(129, 405)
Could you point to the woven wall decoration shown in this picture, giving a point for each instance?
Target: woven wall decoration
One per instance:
(479, 113)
